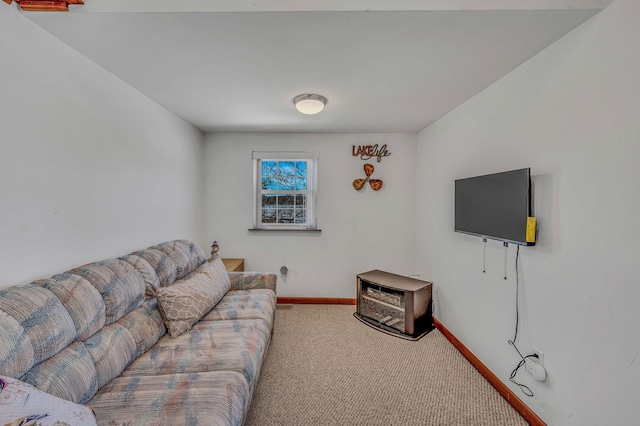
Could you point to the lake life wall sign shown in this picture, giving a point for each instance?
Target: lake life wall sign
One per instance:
(366, 152)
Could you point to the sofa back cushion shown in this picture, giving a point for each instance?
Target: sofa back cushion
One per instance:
(81, 299)
(112, 350)
(185, 255)
(162, 264)
(70, 374)
(121, 286)
(172, 260)
(147, 272)
(145, 325)
(16, 350)
(47, 326)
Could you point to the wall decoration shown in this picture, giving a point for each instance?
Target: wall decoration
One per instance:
(375, 184)
(214, 250)
(366, 152)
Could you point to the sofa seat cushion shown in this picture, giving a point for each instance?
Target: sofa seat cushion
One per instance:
(245, 304)
(237, 345)
(210, 398)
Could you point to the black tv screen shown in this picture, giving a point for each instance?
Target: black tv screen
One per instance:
(494, 206)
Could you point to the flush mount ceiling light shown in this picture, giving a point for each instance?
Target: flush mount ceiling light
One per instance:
(309, 104)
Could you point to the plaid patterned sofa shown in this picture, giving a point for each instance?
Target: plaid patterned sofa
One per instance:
(156, 337)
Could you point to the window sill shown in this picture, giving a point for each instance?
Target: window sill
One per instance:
(284, 230)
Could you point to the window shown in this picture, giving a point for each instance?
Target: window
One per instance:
(284, 189)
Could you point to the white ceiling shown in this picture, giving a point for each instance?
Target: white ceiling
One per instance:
(384, 65)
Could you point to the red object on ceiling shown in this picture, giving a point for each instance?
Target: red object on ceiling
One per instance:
(45, 5)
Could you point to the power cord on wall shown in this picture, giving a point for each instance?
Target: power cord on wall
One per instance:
(524, 388)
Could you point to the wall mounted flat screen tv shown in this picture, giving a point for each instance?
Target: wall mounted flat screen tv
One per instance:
(495, 206)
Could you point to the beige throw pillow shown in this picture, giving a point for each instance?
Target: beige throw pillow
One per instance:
(186, 301)
(218, 272)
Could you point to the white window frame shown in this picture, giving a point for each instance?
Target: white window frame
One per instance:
(311, 157)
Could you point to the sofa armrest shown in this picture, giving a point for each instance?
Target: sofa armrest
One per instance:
(252, 280)
(21, 403)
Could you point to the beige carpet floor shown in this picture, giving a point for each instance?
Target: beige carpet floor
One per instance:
(324, 367)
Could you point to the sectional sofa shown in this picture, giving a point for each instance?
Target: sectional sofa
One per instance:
(160, 336)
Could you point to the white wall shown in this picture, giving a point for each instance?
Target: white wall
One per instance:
(572, 115)
(89, 167)
(360, 230)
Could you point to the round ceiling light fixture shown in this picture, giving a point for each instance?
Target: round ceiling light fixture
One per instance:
(309, 104)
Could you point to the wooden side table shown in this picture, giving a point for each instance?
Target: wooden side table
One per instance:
(233, 265)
